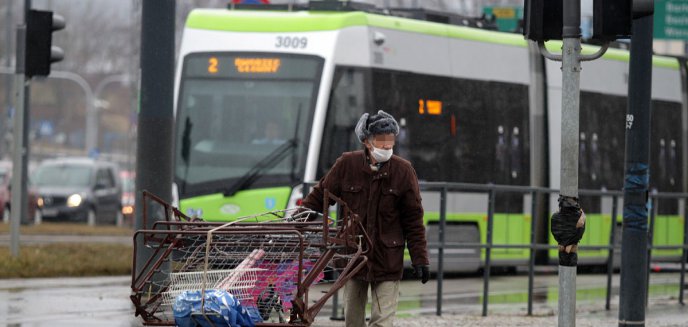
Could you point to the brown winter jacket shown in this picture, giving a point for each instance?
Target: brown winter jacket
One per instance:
(389, 204)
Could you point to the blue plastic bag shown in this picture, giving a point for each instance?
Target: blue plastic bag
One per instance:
(221, 308)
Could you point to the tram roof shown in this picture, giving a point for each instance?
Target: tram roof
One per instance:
(267, 21)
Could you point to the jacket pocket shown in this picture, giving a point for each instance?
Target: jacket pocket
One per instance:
(389, 206)
(392, 253)
(351, 194)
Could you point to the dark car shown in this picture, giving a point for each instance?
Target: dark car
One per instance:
(78, 190)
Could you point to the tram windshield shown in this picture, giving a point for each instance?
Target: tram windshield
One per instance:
(243, 120)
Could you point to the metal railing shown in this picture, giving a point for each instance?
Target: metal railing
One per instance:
(536, 193)
(491, 190)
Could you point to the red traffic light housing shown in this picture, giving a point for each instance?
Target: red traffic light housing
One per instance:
(40, 53)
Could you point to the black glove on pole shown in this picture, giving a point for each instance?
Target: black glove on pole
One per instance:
(568, 226)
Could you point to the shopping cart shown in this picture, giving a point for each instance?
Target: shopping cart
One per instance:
(267, 261)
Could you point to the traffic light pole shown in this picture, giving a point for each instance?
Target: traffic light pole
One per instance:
(570, 121)
(156, 116)
(20, 155)
(568, 224)
(634, 265)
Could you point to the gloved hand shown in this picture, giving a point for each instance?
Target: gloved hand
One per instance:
(423, 272)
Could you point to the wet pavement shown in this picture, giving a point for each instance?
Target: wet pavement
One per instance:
(104, 301)
(100, 301)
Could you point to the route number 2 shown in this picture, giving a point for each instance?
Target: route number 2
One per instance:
(294, 42)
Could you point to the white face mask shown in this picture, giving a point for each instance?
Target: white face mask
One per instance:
(381, 155)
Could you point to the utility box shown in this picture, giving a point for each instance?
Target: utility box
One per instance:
(543, 19)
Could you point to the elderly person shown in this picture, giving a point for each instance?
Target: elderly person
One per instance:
(382, 189)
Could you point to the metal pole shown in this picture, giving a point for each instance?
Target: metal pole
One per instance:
(610, 258)
(440, 251)
(154, 139)
(684, 257)
(488, 250)
(20, 156)
(93, 115)
(654, 202)
(637, 175)
(91, 125)
(569, 148)
(8, 79)
(531, 263)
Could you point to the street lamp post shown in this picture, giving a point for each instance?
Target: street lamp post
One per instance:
(92, 117)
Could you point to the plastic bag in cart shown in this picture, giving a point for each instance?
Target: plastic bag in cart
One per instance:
(221, 308)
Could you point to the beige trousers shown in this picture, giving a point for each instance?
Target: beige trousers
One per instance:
(383, 307)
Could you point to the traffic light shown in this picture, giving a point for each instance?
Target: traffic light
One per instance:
(612, 19)
(40, 53)
(543, 20)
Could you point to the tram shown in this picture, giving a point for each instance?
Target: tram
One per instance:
(267, 100)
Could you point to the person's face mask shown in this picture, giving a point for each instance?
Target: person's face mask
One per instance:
(381, 155)
(385, 141)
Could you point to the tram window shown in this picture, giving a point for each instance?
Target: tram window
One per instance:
(230, 121)
(426, 139)
(507, 107)
(601, 161)
(455, 144)
(665, 162)
(347, 103)
(451, 145)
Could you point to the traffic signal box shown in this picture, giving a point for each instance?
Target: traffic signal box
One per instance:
(40, 53)
(612, 19)
(543, 19)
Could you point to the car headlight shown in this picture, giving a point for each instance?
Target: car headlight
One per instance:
(74, 200)
(127, 210)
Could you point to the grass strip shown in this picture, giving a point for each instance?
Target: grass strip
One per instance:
(66, 260)
(69, 229)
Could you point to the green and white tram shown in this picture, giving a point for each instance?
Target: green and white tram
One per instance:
(268, 99)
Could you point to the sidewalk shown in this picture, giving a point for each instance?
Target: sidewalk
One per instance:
(660, 313)
(104, 301)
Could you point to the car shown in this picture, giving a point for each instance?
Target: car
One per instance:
(78, 190)
(6, 196)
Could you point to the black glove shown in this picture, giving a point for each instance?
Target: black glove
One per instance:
(423, 272)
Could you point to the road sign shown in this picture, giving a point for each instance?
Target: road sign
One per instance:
(506, 17)
(671, 19)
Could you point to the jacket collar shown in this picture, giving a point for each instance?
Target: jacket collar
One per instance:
(384, 170)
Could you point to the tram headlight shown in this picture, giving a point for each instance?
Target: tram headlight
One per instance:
(74, 200)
